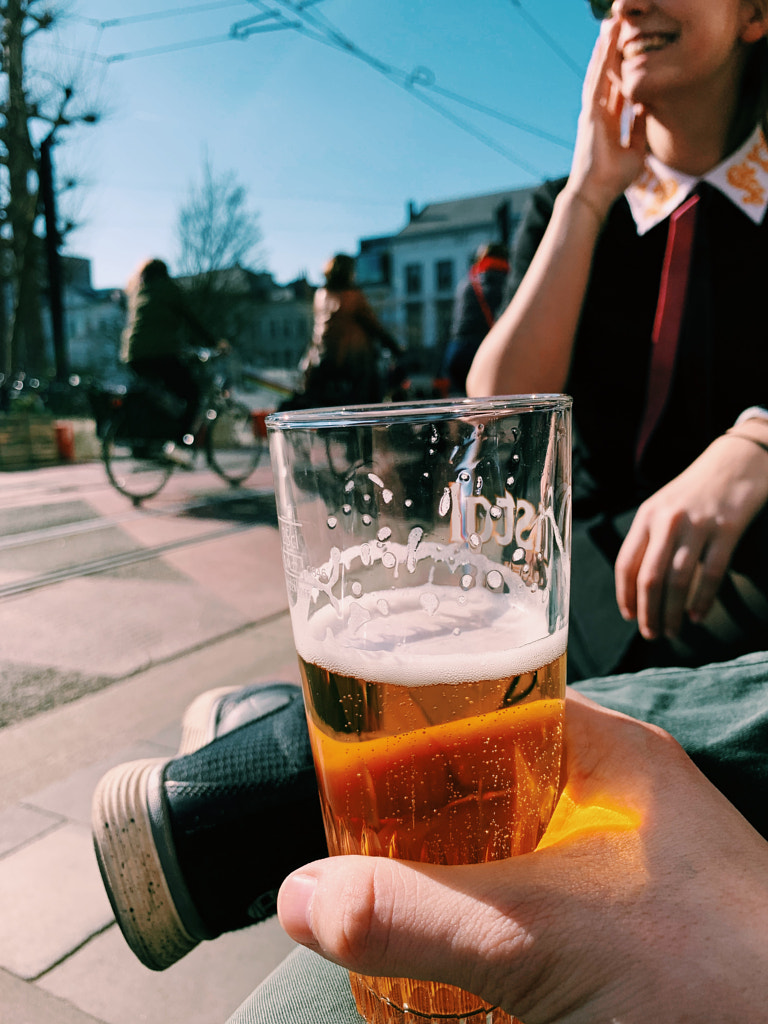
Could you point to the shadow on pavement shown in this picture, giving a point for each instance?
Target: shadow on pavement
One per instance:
(240, 507)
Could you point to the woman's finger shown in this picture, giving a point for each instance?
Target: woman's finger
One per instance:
(627, 566)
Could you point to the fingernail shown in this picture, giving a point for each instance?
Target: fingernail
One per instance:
(294, 907)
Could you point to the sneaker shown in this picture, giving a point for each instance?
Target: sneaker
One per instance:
(197, 845)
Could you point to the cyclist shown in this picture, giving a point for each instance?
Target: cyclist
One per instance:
(154, 341)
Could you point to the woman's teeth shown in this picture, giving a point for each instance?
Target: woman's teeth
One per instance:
(637, 47)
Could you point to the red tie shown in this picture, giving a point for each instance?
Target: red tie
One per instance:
(669, 314)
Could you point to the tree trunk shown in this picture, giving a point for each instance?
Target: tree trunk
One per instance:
(26, 344)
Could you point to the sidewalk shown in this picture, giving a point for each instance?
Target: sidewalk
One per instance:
(62, 957)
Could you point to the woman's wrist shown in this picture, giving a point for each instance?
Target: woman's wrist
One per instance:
(580, 198)
(754, 430)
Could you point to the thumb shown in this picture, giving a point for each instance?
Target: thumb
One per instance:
(378, 916)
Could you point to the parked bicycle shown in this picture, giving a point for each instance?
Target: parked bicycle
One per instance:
(138, 426)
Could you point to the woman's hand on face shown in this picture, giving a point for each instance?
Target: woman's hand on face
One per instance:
(646, 900)
(680, 544)
(605, 163)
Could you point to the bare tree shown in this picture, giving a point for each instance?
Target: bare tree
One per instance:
(27, 112)
(216, 228)
(219, 241)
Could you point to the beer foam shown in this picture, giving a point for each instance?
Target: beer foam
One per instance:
(429, 634)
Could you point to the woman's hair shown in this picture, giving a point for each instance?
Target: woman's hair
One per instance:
(146, 272)
(753, 96)
(339, 272)
(492, 250)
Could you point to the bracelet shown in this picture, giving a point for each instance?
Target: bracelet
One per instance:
(747, 434)
(590, 206)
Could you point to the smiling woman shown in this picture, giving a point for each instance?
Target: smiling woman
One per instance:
(641, 274)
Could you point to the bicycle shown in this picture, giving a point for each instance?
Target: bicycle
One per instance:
(138, 428)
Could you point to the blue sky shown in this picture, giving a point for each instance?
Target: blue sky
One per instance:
(329, 148)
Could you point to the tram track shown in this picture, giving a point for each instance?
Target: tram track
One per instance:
(96, 524)
(111, 562)
(85, 567)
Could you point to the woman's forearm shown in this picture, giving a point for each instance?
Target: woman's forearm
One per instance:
(529, 348)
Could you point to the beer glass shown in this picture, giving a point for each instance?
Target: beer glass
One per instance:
(426, 549)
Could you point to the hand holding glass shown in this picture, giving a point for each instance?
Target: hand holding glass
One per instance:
(427, 549)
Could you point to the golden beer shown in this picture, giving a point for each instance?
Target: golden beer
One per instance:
(437, 736)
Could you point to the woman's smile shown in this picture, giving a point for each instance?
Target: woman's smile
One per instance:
(647, 42)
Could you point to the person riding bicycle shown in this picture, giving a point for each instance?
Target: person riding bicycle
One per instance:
(154, 341)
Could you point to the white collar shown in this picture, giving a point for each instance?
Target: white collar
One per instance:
(742, 177)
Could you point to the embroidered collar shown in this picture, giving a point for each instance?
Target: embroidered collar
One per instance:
(742, 177)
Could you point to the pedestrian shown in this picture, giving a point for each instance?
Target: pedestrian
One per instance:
(342, 364)
(476, 305)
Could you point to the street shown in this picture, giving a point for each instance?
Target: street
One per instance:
(93, 589)
(113, 619)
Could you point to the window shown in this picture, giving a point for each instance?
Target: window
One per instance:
(414, 325)
(413, 279)
(444, 275)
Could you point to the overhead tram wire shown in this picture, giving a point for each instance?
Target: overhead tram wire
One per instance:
(320, 29)
(332, 36)
(425, 78)
(548, 39)
(172, 12)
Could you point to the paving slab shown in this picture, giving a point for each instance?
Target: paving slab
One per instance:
(105, 980)
(19, 825)
(52, 745)
(71, 797)
(53, 900)
(22, 1003)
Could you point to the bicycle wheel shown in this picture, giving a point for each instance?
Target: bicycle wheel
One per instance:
(137, 468)
(233, 446)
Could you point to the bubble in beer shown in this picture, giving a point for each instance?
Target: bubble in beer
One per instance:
(349, 486)
(384, 534)
(464, 476)
(365, 554)
(382, 606)
(388, 560)
(510, 481)
(518, 555)
(429, 602)
(387, 496)
(467, 581)
(357, 588)
(475, 541)
(367, 520)
(375, 479)
(332, 522)
(495, 512)
(479, 484)
(408, 502)
(444, 507)
(346, 509)
(494, 580)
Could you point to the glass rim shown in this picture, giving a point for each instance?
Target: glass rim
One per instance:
(422, 411)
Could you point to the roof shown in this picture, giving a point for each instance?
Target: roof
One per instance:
(468, 212)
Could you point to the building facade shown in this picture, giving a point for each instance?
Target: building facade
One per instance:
(411, 277)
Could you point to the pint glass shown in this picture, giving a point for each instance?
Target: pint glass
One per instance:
(426, 549)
